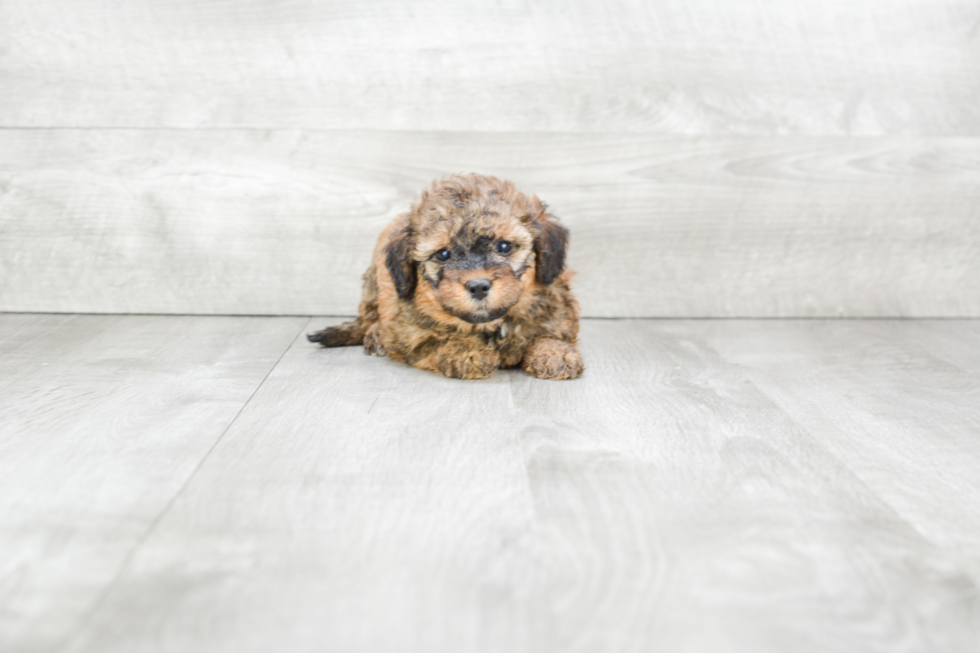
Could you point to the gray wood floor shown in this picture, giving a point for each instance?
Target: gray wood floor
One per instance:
(219, 484)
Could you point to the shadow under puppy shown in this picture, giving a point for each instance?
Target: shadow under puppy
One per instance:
(471, 279)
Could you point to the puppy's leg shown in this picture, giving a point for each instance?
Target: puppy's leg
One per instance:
(372, 341)
(358, 331)
(461, 359)
(548, 358)
(342, 335)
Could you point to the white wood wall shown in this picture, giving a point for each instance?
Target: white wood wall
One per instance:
(712, 157)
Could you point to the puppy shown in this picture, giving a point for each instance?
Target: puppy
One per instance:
(471, 279)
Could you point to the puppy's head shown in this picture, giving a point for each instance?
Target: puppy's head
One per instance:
(473, 245)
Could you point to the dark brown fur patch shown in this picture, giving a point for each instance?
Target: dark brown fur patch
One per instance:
(550, 246)
(401, 267)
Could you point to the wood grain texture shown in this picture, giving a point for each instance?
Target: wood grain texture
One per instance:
(898, 403)
(661, 502)
(859, 67)
(102, 421)
(354, 501)
(283, 222)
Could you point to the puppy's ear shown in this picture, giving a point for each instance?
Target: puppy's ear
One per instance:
(400, 264)
(549, 248)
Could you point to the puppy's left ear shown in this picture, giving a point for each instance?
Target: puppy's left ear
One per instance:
(400, 265)
(549, 248)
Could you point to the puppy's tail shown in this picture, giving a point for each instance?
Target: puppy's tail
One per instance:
(342, 335)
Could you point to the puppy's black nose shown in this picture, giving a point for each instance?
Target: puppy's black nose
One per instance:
(478, 288)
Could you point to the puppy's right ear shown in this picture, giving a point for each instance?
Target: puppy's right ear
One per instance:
(400, 265)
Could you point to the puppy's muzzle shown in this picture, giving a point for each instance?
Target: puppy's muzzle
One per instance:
(478, 288)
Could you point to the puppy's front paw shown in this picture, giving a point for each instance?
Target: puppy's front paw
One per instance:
(372, 342)
(552, 359)
(468, 364)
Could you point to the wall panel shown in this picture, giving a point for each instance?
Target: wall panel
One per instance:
(857, 67)
(283, 221)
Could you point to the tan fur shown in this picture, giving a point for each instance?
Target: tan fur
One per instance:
(529, 316)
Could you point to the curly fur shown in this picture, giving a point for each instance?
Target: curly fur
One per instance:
(431, 313)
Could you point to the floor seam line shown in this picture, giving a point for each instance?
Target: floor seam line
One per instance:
(128, 558)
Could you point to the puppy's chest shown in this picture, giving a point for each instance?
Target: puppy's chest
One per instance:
(510, 338)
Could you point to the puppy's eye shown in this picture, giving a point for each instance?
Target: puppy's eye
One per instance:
(443, 254)
(503, 247)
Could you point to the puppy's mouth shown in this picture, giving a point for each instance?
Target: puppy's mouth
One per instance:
(479, 316)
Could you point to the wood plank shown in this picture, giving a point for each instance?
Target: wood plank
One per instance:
(662, 502)
(356, 494)
(102, 421)
(859, 67)
(898, 402)
(283, 222)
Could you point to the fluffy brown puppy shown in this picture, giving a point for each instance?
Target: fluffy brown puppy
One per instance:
(471, 279)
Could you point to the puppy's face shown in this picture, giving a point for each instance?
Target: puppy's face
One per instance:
(472, 247)
(474, 265)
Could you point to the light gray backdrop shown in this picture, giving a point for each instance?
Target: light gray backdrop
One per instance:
(712, 157)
